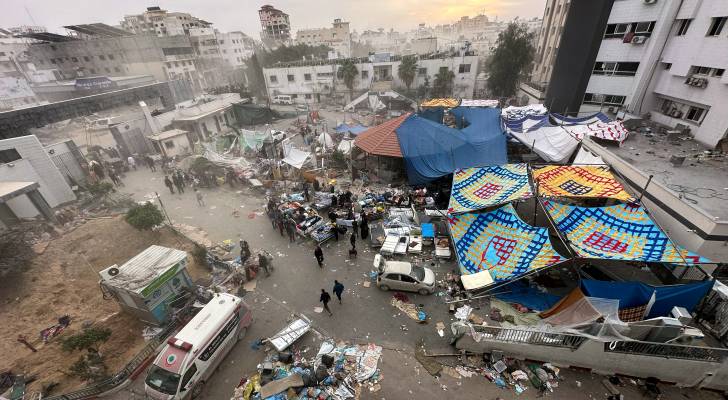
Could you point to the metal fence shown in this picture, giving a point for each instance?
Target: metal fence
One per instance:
(695, 353)
(121, 376)
(531, 337)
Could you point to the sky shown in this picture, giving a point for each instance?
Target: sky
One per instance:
(242, 15)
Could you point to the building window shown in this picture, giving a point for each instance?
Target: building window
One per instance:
(616, 68)
(307, 96)
(643, 28)
(698, 70)
(273, 79)
(666, 65)
(443, 70)
(117, 69)
(464, 68)
(615, 31)
(695, 114)
(306, 77)
(422, 71)
(85, 58)
(684, 25)
(9, 155)
(716, 26)
(718, 71)
(364, 74)
(291, 78)
(102, 57)
(169, 144)
(111, 56)
(108, 71)
(604, 99)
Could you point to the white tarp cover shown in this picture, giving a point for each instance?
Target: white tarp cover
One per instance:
(224, 161)
(345, 146)
(614, 131)
(512, 112)
(478, 103)
(325, 139)
(296, 158)
(584, 156)
(477, 280)
(375, 103)
(552, 143)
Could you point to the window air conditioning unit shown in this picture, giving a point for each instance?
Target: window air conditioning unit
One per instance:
(639, 39)
(650, 1)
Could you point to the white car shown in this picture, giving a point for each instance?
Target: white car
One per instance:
(399, 275)
(283, 99)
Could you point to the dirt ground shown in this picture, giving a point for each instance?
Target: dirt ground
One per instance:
(63, 280)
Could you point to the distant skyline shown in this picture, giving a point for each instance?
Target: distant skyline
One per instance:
(236, 15)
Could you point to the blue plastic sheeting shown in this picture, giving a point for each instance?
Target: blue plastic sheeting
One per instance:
(428, 230)
(565, 120)
(434, 114)
(527, 123)
(519, 292)
(354, 129)
(432, 150)
(634, 294)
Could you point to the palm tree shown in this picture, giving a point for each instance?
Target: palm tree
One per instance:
(407, 70)
(348, 72)
(442, 87)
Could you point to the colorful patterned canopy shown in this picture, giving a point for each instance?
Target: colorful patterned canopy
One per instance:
(447, 103)
(578, 181)
(476, 188)
(500, 243)
(619, 232)
(614, 130)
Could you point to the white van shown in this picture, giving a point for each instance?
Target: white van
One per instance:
(191, 356)
(283, 99)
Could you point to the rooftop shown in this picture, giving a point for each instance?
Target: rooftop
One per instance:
(382, 139)
(8, 190)
(135, 274)
(702, 179)
(168, 134)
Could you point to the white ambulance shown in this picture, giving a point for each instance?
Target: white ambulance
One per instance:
(191, 356)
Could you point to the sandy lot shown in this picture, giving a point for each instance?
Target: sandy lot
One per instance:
(63, 280)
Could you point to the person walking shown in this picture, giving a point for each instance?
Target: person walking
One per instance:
(168, 183)
(178, 183)
(338, 289)
(319, 254)
(115, 178)
(291, 229)
(352, 240)
(200, 198)
(354, 227)
(263, 263)
(181, 179)
(150, 163)
(325, 298)
(131, 161)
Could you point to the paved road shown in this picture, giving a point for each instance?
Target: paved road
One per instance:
(364, 316)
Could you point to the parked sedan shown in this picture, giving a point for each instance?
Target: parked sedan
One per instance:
(399, 275)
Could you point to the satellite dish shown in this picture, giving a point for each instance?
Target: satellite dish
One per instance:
(113, 271)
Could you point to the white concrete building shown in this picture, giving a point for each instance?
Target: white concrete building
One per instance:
(316, 81)
(689, 86)
(235, 47)
(23, 159)
(337, 37)
(162, 23)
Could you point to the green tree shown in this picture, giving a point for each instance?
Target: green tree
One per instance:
(442, 87)
(510, 59)
(348, 72)
(407, 70)
(145, 216)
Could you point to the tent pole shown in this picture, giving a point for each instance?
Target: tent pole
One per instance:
(644, 189)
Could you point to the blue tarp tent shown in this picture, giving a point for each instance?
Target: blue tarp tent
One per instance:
(354, 129)
(634, 294)
(433, 150)
(521, 293)
(434, 114)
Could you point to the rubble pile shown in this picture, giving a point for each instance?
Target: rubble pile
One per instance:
(337, 372)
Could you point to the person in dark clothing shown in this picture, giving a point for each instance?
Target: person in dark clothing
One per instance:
(325, 298)
(291, 229)
(306, 195)
(263, 263)
(335, 231)
(168, 183)
(316, 185)
(281, 225)
(332, 189)
(334, 201)
(150, 163)
(354, 227)
(319, 254)
(244, 251)
(352, 240)
(349, 214)
(364, 231)
(114, 178)
(178, 183)
(332, 216)
(338, 289)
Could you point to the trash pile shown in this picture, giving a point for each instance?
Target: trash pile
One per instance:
(336, 372)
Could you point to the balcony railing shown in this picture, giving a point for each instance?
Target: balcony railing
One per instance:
(530, 337)
(695, 353)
